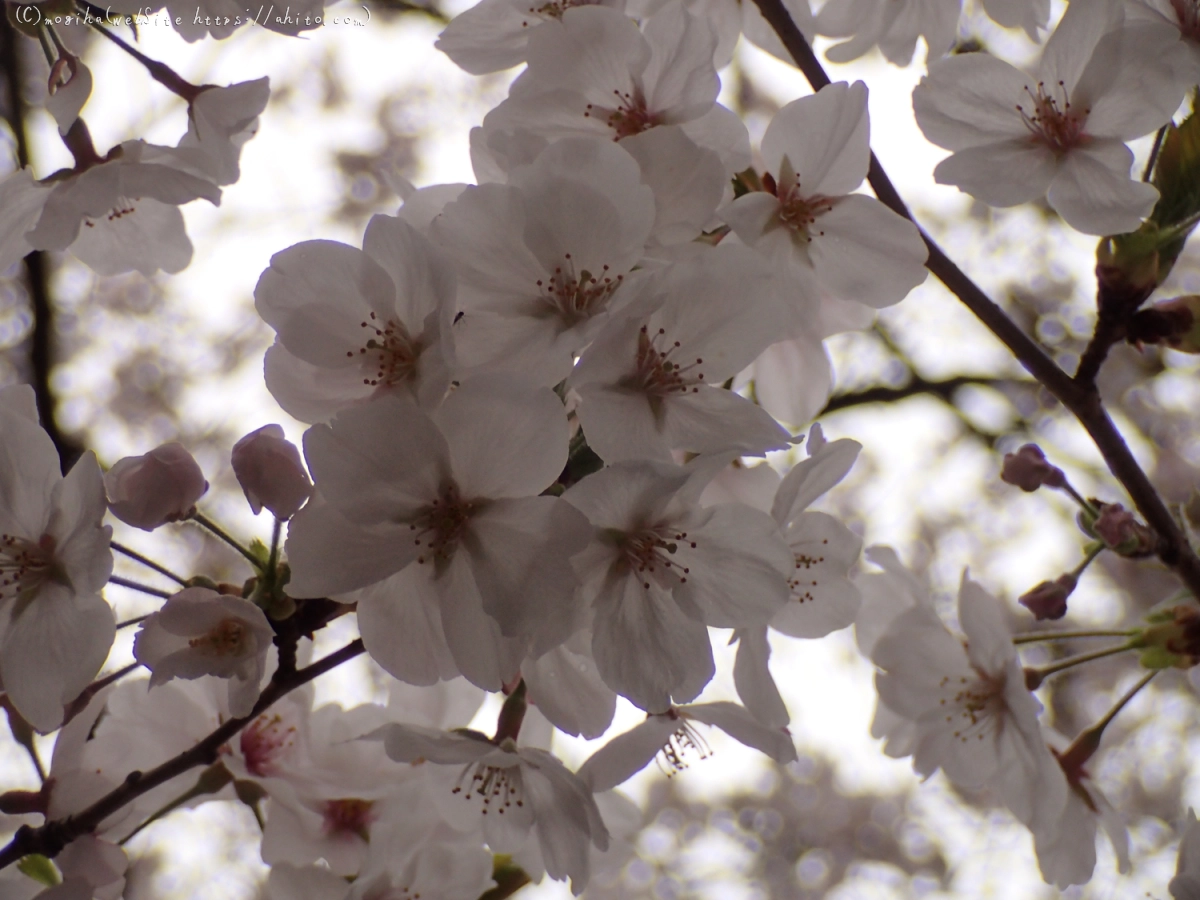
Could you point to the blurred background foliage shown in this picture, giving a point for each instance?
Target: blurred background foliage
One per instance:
(935, 400)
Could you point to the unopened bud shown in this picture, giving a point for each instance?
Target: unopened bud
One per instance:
(1122, 533)
(1028, 469)
(149, 491)
(269, 470)
(1049, 599)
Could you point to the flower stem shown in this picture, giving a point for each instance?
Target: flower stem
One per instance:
(1087, 742)
(162, 570)
(205, 522)
(133, 585)
(1153, 157)
(1035, 676)
(1033, 637)
(160, 72)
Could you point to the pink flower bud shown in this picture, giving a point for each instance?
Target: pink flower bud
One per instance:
(1122, 533)
(149, 491)
(270, 472)
(1049, 599)
(1028, 469)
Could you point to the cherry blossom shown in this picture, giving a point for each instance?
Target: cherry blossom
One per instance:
(161, 486)
(1059, 131)
(511, 791)
(653, 384)
(220, 121)
(660, 569)
(892, 25)
(963, 707)
(352, 324)
(671, 736)
(270, 472)
(816, 151)
(448, 492)
(200, 632)
(55, 627)
(543, 260)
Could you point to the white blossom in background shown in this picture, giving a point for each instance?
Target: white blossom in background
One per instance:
(199, 632)
(1059, 132)
(55, 627)
(894, 26)
(353, 324)
(158, 487)
(220, 121)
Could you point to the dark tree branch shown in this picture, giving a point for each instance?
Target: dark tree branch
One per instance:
(943, 389)
(1082, 400)
(50, 838)
(37, 269)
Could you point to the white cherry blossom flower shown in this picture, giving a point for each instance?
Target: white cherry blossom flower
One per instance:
(892, 25)
(269, 469)
(1181, 15)
(220, 121)
(353, 324)
(970, 712)
(671, 736)
(543, 259)
(55, 627)
(200, 632)
(593, 72)
(566, 687)
(494, 34)
(653, 384)
(816, 152)
(1059, 132)
(660, 569)
(511, 792)
(449, 492)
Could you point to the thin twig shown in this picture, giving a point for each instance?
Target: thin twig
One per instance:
(943, 388)
(50, 838)
(162, 570)
(1082, 400)
(135, 586)
(218, 531)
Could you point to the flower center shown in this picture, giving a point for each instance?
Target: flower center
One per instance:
(348, 817)
(228, 638)
(263, 743)
(554, 9)
(802, 581)
(125, 207)
(24, 567)
(656, 374)
(390, 354)
(501, 784)
(576, 298)
(649, 555)
(629, 117)
(684, 740)
(974, 706)
(440, 525)
(1053, 121)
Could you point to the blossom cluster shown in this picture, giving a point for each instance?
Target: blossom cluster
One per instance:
(536, 406)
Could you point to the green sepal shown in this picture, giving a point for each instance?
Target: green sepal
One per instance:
(40, 869)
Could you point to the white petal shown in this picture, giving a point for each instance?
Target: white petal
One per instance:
(401, 627)
(739, 724)
(752, 678)
(1003, 174)
(1094, 193)
(627, 754)
(825, 137)
(566, 686)
(969, 100)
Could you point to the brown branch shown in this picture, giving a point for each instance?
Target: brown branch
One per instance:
(50, 838)
(943, 389)
(1081, 399)
(37, 270)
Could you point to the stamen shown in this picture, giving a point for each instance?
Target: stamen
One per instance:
(501, 784)
(440, 525)
(656, 374)
(629, 117)
(1053, 122)
(390, 355)
(648, 553)
(683, 741)
(576, 298)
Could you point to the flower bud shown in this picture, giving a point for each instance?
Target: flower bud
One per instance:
(1122, 533)
(1049, 599)
(149, 491)
(1028, 469)
(270, 472)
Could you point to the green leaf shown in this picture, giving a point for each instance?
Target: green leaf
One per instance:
(40, 869)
